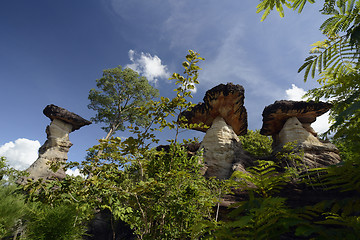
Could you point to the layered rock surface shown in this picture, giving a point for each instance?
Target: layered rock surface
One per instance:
(223, 152)
(275, 115)
(290, 121)
(293, 131)
(224, 112)
(226, 101)
(57, 145)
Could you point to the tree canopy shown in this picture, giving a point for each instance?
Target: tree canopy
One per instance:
(160, 192)
(333, 61)
(120, 94)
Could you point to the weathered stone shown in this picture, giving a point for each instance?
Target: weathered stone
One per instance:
(57, 145)
(290, 121)
(276, 114)
(226, 101)
(223, 152)
(54, 112)
(323, 155)
(293, 131)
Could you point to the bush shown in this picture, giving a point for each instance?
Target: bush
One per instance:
(256, 144)
(12, 209)
(56, 223)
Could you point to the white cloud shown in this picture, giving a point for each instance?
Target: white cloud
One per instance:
(21, 153)
(295, 93)
(321, 124)
(148, 66)
(74, 172)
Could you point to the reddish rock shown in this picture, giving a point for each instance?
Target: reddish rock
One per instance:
(276, 114)
(226, 101)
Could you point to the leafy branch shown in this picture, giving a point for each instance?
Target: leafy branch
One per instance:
(268, 5)
(336, 56)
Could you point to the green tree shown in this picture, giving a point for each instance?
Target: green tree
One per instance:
(12, 210)
(120, 94)
(160, 193)
(54, 222)
(12, 204)
(256, 144)
(335, 60)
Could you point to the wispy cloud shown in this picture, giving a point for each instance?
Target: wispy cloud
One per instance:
(263, 57)
(149, 66)
(234, 63)
(21, 153)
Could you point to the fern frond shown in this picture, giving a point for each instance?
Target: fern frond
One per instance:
(313, 68)
(329, 7)
(334, 59)
(342, 19)
(300, 4)
(345, 177)
(259, 218)
(268, 5)
(263, 176)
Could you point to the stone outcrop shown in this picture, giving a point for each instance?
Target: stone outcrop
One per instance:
(54, 112)
(226, 101)
(290, 121)
(57, 145)
(293, 131)
(224, 112)
(223, 152)
(276, 114)
(323, 155)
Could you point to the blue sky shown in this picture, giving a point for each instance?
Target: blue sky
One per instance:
(51, 52)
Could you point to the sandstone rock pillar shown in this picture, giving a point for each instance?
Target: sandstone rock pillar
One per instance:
(222, 149)
(224, 112)
(57, 145)
(290, 121)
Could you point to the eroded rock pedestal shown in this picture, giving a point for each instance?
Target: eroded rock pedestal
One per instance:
(224, 112)
(57, 145)
(223, 152)
(290, 121)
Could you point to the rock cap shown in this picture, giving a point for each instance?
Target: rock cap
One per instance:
(276, 114)
(223, 100)
(54, 112)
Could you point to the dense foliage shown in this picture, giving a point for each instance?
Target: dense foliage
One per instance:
(160, 193)
(256, 144)
(117, 100)
(335, 61)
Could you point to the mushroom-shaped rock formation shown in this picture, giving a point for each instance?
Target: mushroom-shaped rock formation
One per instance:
(293, 130)
(57, 145)
(54, 112)
(223, 152)
(223, 111)
(290, 121)
(226, 101)
(276, 114)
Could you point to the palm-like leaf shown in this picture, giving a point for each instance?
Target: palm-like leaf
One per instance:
(335, 56)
